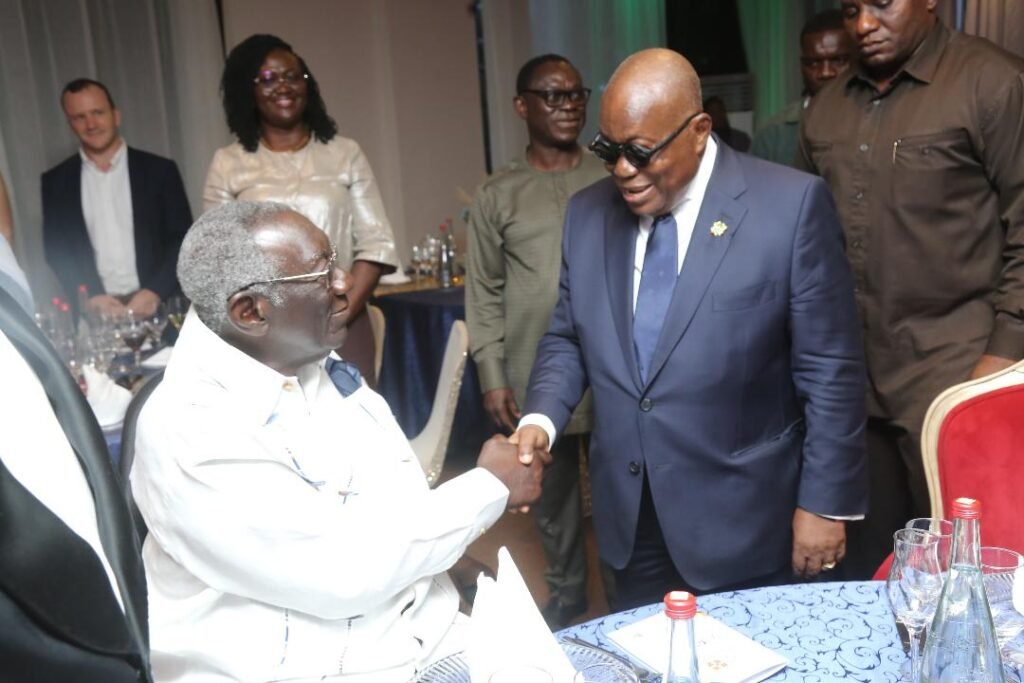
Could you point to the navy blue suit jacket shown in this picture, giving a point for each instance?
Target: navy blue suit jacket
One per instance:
(160, 213)
(754, 403)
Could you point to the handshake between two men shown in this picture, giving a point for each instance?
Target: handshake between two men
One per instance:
(522, 476)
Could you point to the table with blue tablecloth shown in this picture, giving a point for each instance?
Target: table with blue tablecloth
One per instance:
(416, 332)
(827, 631)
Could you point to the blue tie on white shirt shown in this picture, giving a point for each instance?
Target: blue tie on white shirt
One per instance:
(344, 375)
(657, 281)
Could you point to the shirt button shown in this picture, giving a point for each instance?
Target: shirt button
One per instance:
(646, 405)
(634, 467)
(859, 195)
(864, 147)
(288, 386)
(876, 102)
(856, 244)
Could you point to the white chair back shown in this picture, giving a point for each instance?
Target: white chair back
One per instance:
(431, 444)
(377, 326)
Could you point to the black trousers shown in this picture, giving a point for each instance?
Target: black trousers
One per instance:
(898, 493)
(650, 572)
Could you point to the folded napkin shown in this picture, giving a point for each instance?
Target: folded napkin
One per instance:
(108, 401)
(159, 359)
(507, 629)
(723, 654)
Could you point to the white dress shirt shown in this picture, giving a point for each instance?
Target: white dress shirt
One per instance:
(107, 209)
(36, 452)
(292, 535)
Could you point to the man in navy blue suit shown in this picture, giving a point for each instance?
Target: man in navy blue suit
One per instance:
(113, 216)
(705, 298)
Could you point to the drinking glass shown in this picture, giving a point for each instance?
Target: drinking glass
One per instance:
(943, 528)
(416, 262)
(177, 307)
(1001, 568)
(605, 673)
(133, 334)
(913, 586)
(156, 323)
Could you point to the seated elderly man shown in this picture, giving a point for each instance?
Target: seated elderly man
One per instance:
(292, 535)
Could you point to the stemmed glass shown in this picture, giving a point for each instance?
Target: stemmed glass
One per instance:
(943, 528)
(133, 334)
(177, 307)
(156, 324)
(913, 586)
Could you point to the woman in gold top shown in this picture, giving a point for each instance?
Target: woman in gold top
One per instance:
(288, 150)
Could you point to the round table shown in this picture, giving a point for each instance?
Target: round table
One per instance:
(828, 631)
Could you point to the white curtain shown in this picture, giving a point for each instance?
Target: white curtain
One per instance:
(595, 35)
(161, 60)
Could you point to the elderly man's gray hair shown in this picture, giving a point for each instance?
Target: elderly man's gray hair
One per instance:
(220, 256)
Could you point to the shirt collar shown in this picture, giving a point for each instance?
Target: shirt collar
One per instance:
(255, 389)
(921, 65)
(115, 161)
(697, 187)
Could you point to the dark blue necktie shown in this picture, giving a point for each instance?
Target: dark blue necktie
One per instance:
(344, 375)
(656, 284)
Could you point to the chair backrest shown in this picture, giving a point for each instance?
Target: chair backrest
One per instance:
(131, 418)
(377, 326)
(431, 444)
(972, 443)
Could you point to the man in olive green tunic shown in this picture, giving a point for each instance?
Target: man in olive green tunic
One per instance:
(515, 234)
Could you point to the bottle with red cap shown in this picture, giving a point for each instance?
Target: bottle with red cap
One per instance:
(680, 608)
(961, 644)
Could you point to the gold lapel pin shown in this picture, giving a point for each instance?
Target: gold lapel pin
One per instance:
(718, 228)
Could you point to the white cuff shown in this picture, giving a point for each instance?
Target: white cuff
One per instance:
(542, 421)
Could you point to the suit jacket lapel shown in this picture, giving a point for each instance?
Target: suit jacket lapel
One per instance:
(620, 230)
(116, 533)
(705, 252)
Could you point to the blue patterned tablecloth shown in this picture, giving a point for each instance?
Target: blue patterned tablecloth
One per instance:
(828, 631)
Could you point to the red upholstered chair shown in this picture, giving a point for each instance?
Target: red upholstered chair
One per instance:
(973, 445)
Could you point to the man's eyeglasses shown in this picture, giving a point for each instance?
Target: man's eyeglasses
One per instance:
(637, 155)
(268, 80)
(556, 98)
(306, 277)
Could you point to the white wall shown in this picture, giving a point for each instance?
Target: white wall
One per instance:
(400, 77)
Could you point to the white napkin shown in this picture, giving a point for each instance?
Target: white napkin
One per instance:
(723, 654)
(108, 401)
(159, 359)
(507, 628)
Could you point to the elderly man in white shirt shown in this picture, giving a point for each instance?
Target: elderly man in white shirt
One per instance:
(292, 533)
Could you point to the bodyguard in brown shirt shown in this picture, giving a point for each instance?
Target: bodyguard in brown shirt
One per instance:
(922, 143)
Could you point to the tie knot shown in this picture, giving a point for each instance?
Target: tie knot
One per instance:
(663, 218)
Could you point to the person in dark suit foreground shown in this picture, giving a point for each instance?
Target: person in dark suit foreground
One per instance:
(72, 589)
(705, 298)
(113, 216)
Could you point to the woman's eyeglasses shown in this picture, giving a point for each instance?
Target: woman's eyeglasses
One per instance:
(268, 80)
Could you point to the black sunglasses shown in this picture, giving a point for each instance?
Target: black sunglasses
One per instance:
(637, 155)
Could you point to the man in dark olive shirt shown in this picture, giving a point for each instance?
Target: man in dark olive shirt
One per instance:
(922, 143)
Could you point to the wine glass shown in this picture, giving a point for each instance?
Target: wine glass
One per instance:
(177, 307)
(913, 586)
(156, 323)
(133, 334)
(943, 528)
